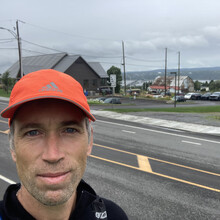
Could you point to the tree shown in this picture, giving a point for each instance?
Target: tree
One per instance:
(146, 85)
(214, 85)
(7, 81)
(197, 85)
(117, 72)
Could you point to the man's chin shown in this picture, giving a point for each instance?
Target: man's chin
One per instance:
(53, 198)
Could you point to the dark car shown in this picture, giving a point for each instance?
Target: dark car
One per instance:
(179, 98)
(215, 96)
(167, 93)
(113, 100)
(101, 99)
(105, 90)
(206, 96)
(196, 96)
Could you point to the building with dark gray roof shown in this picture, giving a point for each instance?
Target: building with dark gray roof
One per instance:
(91, 75)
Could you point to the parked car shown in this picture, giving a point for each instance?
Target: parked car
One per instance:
(179, 98)
(101, 99)
(113, 100)
(167, 93)
(206, 96)
(105, 90)
(196, 96)
(215, 96)
(188, 96)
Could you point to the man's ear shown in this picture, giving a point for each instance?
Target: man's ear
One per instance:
(13, 155)
(89, 150)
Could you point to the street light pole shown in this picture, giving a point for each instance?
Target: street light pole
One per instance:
(17, 37)
(123, 52)
(175, 89)
(19, 51)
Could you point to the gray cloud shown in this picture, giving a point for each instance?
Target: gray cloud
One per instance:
(96, 29)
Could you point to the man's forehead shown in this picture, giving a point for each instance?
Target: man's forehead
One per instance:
(50, 109)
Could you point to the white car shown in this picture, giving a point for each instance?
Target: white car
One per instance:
(188, 96)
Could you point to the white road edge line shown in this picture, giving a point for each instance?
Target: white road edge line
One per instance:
(189, 142)
(131, 132)
(157, 131)
(170, 129)
(3, 103)
(7, 180)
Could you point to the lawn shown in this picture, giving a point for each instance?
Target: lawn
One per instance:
(4, 94)
(196, 109)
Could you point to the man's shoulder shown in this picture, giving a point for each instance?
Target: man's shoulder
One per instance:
(114, 211)
(102, 207)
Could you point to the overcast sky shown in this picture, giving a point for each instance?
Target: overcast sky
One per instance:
(95, 29)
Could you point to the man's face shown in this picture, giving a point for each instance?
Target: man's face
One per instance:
(51, 149)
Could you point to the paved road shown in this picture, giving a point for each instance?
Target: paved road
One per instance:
(151, 171)
(182, 181)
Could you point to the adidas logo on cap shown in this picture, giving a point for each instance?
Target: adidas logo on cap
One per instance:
(50, 87)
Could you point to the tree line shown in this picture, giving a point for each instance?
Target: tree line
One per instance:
(212, 85)
(7, 82)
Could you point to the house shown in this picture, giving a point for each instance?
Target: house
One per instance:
(186, 84)
(90, 75)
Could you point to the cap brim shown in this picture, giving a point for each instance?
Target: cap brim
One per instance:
(9, 111)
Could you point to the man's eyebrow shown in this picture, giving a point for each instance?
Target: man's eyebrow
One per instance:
(72, 122)
(39, 125)
(30, 125)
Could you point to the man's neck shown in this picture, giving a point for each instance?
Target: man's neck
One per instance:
(40, 211)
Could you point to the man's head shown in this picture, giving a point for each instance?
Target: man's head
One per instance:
(50, 135)
(46, 84)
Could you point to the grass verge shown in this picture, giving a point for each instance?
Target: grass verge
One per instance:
(4, 94)
(201, 109)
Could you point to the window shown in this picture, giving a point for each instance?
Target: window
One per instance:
(85, 83)
(103, 82)
(94, 82)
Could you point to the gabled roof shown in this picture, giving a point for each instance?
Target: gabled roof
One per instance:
(66, 62)
(57, 61)
(160, 80)
(97, 67)
(34, 63)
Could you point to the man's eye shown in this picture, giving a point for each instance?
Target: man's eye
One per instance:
(33, 133)
(70, 130)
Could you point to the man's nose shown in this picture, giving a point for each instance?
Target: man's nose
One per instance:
(52, 149)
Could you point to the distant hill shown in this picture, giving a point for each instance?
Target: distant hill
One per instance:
(206, 73)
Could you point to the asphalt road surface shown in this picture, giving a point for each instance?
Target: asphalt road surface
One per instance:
(152, 172)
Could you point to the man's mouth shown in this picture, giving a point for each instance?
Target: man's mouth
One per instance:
(53, 178)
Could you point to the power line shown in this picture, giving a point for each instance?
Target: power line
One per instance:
(15, 48)
(4, 41)
(71, 35)
(42, 46)
(132, 58)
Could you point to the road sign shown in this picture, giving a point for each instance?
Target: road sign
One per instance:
(113, 80)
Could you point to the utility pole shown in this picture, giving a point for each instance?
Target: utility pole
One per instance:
(123, 51)
(17, 37)
(20, 73)
(165, 78)
(175, 89)
(178, 72)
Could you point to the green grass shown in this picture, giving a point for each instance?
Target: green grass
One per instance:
(201, 109)
(4, 94)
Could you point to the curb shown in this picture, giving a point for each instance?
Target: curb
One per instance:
(205, 129)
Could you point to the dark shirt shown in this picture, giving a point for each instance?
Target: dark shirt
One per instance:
(88, 206)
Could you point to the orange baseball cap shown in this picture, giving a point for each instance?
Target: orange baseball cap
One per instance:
(44, 84)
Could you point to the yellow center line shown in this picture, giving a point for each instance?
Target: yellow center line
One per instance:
(144, 164)
(5, 132)
(158, 174)
(163, 161)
